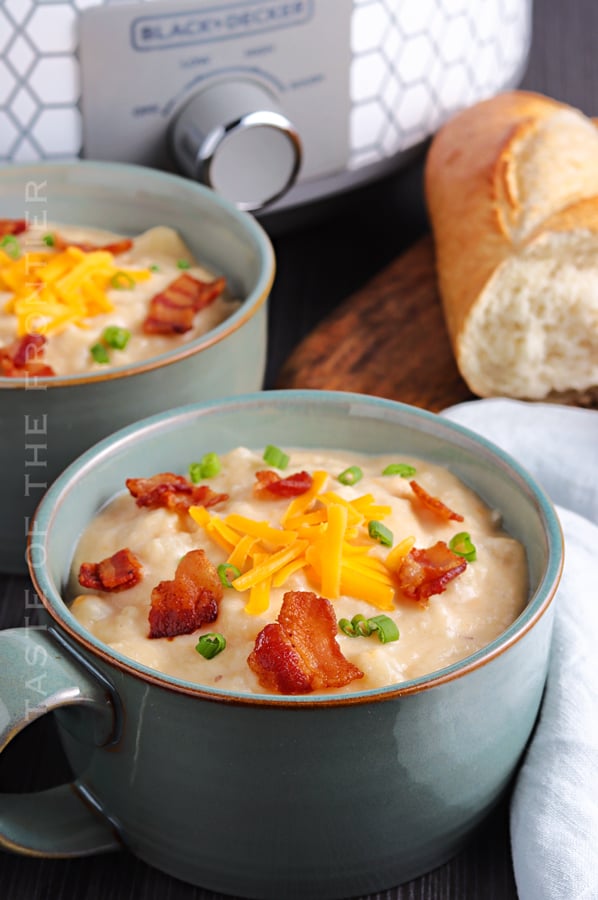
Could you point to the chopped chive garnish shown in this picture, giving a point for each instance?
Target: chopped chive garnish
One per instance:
(351, 475)
(195, 472)
(122, 281)
(11, 246)
(227, 574)
(208, 466)
(211, 465)
(211, 644)
(357, 627)
(116, 337)
(385, 628)
(402, 469)
(100, 353)
(462, 545)
(381, 625)
(276, 457)
(154, 268)
(183, 264)
(380, 533)
(48, 240)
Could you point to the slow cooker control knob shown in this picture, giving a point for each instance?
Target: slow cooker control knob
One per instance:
(233, 137)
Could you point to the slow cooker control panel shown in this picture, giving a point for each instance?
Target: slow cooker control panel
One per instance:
(248, 97)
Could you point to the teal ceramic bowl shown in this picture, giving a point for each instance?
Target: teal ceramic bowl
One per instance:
(46, 424)
(273, 796)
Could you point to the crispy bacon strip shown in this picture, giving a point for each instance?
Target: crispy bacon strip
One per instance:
(434, 504)
(12, 226)
(268, 482)
(190, 600)
(172, 492)
(428, 571)
(277, 664)
(28, 348)
(118, 572)
(114, 247)
(23, 357)
(172, 311)
(299, 654)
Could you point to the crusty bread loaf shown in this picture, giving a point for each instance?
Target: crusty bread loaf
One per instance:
(512, 193)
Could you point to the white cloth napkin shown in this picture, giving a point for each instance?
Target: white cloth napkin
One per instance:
(554, 808)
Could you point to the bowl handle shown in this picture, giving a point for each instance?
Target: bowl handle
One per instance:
(37, 676)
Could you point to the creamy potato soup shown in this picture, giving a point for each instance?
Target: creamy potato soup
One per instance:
(77, 300)
(390, 566)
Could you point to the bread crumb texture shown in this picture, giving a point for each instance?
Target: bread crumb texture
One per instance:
(534, 330)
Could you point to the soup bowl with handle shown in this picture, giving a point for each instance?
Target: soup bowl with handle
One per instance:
(269, 795)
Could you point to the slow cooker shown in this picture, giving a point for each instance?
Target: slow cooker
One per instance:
(274, 103)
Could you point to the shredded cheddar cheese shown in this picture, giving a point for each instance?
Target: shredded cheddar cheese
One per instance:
(330, 548)
(399, 552)
(240, 553)
(52, 289)
(299, 504)
(270, 563)
(259, 593)
(322, 533)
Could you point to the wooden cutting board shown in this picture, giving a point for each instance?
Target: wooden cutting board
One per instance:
(388, 339)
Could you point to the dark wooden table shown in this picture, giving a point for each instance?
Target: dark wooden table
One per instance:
(320, 264)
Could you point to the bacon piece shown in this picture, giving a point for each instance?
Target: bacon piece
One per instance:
(172, 492)
(268, 482)
(12, 226)
(23, 357)
(299, 654)
(28, 348)
(118, 572)
(428, 571)
(190, 600)
(114, 247)
(263, 480)
(277, 664)
(434, 504)
(172, 311)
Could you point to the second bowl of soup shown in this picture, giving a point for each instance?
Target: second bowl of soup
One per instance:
(123, 292)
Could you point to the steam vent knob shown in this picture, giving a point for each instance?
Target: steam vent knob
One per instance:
(233, 137)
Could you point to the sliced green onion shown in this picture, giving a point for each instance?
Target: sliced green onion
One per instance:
(116, 337)
(122, 281)
(11, 246)
(100, 353)
(195, 472)
(402, 469)
(462, 545)
(207, 467)
(154, 268)
(227, 574)
(183, 264)
(276, 457)
(385, 628)
(361, 625)
(357, 627)
(211, 644)
(380, 533)
(381, 625)
(210, 464)
(346, 628)
(48, 240)
(350, 476)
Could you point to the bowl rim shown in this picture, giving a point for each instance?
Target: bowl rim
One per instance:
(249, 305)
(50, 594)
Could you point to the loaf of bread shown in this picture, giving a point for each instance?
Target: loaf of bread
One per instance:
(512, 192)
